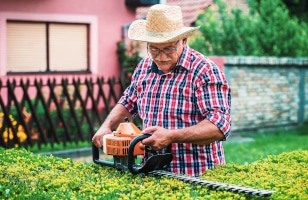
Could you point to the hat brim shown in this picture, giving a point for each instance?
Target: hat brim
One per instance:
(137, 31)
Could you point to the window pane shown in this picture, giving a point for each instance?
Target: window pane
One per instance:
(26, 47)
(68, 44)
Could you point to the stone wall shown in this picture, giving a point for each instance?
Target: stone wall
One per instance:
(267, 92)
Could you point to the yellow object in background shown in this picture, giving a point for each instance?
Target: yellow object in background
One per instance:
(8, 132)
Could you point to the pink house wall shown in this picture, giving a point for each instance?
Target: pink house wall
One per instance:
(106, 19)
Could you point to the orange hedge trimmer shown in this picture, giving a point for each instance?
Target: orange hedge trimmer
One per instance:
(125, 145)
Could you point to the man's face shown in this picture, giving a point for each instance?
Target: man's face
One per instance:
(166, 55)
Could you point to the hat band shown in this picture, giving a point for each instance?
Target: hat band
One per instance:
(163, 34)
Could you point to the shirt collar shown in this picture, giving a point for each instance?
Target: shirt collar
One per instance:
(155, 69)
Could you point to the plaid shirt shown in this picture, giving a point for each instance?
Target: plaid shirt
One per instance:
(195, 90)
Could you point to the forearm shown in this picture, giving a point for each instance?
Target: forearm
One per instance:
(202, 133)
(115, 117)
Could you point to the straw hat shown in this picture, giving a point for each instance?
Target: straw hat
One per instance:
(163, 24)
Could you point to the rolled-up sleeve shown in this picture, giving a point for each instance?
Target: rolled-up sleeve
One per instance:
(214, 100)
(128, 100)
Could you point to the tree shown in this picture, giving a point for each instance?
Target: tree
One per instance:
(268, 30)
(298, 8)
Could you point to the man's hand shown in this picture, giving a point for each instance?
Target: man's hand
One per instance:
(98, 137)
(115, 117)
(160, 137)
(203, 133)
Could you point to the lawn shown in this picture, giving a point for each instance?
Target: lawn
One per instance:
(59, 146)
(265, 144)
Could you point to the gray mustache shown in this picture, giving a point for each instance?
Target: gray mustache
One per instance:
(158, 59)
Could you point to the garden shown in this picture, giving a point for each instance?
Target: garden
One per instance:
(276, 161)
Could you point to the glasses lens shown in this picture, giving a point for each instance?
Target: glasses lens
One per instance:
(153, 50)
(169, 50)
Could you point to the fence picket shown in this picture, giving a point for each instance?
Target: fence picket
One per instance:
(19, 110)
(71, 108)
(101, 92)
(6, 119)
(34, 115)
(90, 94)
(84, 108)
(40, 96)
(58, 108)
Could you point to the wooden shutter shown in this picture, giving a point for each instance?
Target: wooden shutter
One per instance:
(68, 47)
(26, 47)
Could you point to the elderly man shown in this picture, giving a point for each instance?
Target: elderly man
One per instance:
(181, 96)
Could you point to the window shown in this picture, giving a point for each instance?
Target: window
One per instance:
(47, 47)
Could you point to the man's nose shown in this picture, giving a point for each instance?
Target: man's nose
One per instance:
(161, 56)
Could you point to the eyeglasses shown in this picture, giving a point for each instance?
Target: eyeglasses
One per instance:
(167, 50)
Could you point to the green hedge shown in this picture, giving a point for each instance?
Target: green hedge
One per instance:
(24, 175)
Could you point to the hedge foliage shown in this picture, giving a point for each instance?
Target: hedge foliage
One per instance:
(24, 175)
(268, 30)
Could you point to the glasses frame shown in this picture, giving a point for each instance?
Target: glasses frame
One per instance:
(164, 50)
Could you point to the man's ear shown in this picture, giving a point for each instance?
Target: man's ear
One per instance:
(184, 41)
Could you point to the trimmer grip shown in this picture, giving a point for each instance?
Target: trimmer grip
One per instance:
(155, 162)
(130, 157)
(97, 160)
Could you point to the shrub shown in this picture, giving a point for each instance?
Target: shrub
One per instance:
(45, 123)
(267, 31)
(28, 176)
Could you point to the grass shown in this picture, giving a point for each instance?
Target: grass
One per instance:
(265, 144)
(59, 146)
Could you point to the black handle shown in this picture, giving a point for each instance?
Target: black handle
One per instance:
(130, 157)
(155, 162)
(97, 160)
